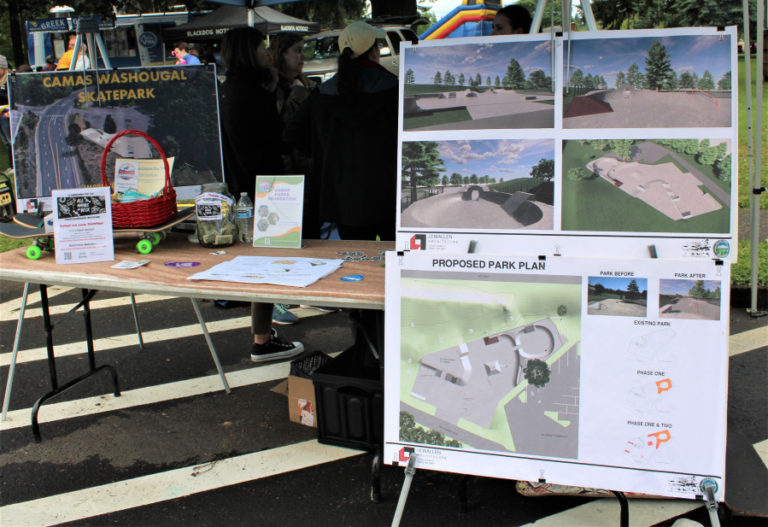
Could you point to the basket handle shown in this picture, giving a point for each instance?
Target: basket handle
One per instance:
(120, 134)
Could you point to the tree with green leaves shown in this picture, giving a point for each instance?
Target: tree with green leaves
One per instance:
(698, 290)
(478, 80)
(515, 77)
(421, 164)
(444, 180)
(577, 79)
(725, 81)
(686, 81)
(497, 82)
(462, 79)
(622, 148)
(706, 82)
(473, 178)
(537, 373)
(544, 169)
(410, 77)
(633, 291)
(438, 79)
(578, 173)
(658, 66)
(488, 81)
(620, 80)
(634, 77)
(723, 168)
(671, 82)
(538, 80)
(456, 179)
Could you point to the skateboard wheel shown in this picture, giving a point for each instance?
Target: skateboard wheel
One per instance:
(144, 246)
(155, 238)
(34, 252)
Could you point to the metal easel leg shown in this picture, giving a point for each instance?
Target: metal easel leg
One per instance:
(709, 497)
(211, 347)
(12, 368)
(136, 321)
(410, 470)
(623, 508)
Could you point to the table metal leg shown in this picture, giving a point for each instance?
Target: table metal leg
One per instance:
(56, 389)
(9, 382)
(211, 347)
(136, 321)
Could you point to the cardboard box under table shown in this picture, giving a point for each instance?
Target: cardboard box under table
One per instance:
(301, 391)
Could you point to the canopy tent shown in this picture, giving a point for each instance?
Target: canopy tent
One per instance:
(213, 25)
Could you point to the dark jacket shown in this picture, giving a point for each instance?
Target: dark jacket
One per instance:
(251, 132)
(353, 145)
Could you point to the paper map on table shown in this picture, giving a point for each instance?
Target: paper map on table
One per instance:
(279, 270)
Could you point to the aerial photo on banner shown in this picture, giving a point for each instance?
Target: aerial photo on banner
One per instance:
(638, 185)
(504, 184)
(63, 120)
(494, 85)
(648, 82)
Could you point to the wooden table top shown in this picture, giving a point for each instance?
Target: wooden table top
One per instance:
(157, 278)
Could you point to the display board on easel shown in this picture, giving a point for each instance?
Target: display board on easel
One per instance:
(560, 363)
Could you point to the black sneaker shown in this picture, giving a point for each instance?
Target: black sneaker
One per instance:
(275, 349)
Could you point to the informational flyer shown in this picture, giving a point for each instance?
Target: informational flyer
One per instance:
(599, 373)
(278, 211)
(144, 176)
(594, 144)
(82, 225)
(296, 272)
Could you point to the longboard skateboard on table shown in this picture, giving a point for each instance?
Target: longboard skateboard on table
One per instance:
(30, 226)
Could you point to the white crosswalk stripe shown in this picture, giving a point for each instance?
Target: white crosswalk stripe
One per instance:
(167, 485)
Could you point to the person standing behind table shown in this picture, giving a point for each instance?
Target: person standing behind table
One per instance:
(293, 88)
(512, 20)
(251, 143)
(5, 120)
(183, 56)
(82, 62)
(349, 128)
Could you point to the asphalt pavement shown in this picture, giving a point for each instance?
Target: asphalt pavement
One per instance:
(178, 450)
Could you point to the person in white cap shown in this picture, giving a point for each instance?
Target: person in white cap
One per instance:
(348, 126)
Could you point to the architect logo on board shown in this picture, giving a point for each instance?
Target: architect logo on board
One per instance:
(419, 242)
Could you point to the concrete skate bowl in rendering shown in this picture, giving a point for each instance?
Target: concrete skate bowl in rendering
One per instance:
(639, 108)
(535, 342)
(477, 208)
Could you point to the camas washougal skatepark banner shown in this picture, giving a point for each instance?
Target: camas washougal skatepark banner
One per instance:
(603, 144)
(62, 120)
(609, 374)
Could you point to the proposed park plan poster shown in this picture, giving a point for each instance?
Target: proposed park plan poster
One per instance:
(63, 120)
(601, 373)
(604, 143)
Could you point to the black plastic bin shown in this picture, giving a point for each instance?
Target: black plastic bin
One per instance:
(350, 405)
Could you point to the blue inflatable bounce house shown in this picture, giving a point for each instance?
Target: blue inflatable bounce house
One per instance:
(470, 19)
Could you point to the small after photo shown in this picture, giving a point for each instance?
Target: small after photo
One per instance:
(619, 297)
(690, 299)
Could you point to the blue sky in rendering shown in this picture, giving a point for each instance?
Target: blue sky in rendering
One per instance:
(619, 284)
(489, 60)
(681, 287)
(691, 53)
(502, 159)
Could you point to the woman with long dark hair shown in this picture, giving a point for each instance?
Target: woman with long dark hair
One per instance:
(349, 128)
(251, 141)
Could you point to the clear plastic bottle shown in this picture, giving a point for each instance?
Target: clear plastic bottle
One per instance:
(244, 218)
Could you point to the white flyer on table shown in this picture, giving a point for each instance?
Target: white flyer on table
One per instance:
(82, 225)
(279, 270)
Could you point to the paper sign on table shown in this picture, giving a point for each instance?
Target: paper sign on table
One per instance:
(145, 176)
(82, 225)
(277, 212)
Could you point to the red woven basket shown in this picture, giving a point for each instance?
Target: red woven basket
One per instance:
(144, 213)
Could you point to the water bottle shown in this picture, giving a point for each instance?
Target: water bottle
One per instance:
(244, 218)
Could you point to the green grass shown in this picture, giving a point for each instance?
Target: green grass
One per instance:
(740, 272)
(744, 189)
(438, 117)
(596, 205)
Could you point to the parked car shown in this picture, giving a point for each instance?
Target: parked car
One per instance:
(322, 50)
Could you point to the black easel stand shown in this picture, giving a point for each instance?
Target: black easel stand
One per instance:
(56, 389)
